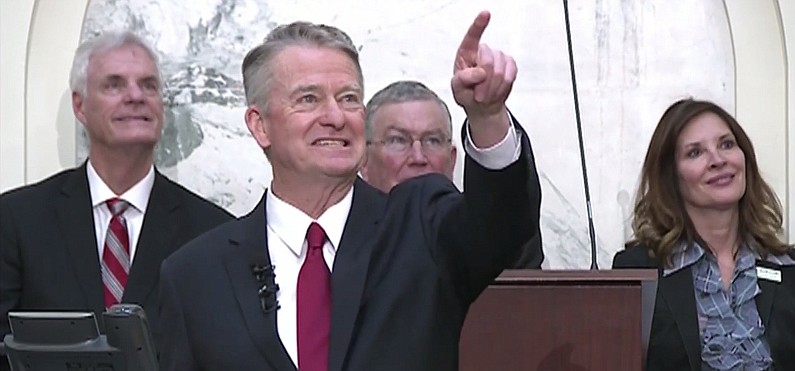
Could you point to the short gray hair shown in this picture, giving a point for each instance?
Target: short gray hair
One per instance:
(399, 92)
(257, 65)
(78, 77)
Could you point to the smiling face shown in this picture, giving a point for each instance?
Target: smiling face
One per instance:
(710, 165)
(314, 124)
(122, 106)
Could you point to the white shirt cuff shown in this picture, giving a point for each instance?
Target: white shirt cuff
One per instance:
(498, 156)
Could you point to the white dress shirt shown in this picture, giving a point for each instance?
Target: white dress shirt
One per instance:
(137, 197)
(287, 227)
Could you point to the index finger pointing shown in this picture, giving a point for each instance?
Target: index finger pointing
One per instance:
(469, 45)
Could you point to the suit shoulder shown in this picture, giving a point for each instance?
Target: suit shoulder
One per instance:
(53, 182)
(196, 203)
(206, 247)
(428, 185)
(49, 185)
(634, 257)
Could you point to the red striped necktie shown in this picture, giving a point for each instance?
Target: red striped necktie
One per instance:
(116, 253)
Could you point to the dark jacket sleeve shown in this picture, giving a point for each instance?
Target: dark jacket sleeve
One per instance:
(532, 254)
(482, 233)
(10, 274)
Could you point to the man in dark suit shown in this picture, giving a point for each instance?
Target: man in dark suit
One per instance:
(405, 266)
(409, 133)
(54, 235)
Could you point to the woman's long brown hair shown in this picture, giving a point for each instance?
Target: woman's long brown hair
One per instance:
(660, 221)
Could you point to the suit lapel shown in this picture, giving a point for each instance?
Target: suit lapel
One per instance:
(677, 289)
(76, 217)
(249, 247)
(155, 242)
(764, 301)
(350, 268)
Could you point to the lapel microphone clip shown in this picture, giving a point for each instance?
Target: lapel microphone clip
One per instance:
(266, 277)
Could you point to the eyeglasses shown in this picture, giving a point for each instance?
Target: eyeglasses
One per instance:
(398, 143)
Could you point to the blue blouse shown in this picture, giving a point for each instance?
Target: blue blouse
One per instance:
(732, 333)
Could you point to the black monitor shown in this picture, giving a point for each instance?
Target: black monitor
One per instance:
(71, 341)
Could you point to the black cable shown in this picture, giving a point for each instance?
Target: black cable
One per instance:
(591, 231)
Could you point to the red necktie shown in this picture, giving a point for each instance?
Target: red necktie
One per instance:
(314, 304)
(116, 253)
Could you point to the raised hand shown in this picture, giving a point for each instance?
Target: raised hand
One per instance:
(482, 77)
(482, 80)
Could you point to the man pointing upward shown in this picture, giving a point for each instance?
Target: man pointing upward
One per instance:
(365, 281)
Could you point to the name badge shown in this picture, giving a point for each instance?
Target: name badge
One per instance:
(769, 274)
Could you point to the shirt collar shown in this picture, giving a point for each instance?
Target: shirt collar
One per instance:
(137, 195)
(290, 224)
(682, 256)
(784, 259)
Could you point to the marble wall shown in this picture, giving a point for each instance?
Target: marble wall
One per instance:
(632, 59)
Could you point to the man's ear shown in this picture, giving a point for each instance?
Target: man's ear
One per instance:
(363, 171)
(258, 125)
(77, 107)
(453, 159)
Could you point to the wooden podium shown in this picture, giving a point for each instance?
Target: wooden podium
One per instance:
(561, 320)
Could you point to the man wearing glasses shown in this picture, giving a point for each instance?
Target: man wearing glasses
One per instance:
(409, 133)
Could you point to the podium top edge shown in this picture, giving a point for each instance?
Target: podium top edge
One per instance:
(610, 276)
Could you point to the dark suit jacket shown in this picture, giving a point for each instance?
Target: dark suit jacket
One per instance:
(48, 246)
(532, 254)
(407, 269)
(675, 340)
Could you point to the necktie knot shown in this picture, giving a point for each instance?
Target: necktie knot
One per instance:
(117, 206)
(315, 236)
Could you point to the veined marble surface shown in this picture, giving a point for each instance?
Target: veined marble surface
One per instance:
(632, 57)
